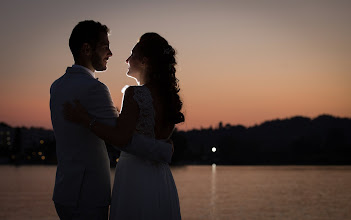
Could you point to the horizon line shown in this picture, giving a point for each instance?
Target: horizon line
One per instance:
(210, 127)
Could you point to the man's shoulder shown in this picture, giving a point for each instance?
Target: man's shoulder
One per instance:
(56, 83)
(77, 80)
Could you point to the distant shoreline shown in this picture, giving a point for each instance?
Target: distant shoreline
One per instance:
(302, 141)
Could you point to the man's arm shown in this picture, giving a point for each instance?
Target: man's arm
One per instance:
(102, 107)
(99, 104)
(152, 149)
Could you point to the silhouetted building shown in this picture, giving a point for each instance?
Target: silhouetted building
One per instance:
(22, 145)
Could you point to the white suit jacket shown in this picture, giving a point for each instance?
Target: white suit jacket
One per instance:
(83, 169)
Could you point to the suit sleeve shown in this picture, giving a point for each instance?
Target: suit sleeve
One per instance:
(100, 104)
(151, 148)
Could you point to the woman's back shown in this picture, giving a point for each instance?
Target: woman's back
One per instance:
(145, 189)
(163, 127)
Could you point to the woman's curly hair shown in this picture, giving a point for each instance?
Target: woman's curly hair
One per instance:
(161, 73)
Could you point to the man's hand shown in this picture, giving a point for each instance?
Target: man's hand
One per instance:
(77, 114)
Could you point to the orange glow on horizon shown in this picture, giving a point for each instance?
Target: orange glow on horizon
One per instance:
(238, 62)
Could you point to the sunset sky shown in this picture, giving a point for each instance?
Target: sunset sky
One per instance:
(239, 61)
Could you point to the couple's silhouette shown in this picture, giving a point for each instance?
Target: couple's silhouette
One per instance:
(83, 117)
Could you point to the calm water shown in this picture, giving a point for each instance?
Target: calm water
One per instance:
(222, 192)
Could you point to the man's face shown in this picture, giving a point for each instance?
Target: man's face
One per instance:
(101, 53)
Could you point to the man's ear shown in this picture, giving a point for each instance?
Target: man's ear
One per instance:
(86, 49)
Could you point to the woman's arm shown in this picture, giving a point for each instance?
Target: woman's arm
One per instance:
(119, 135)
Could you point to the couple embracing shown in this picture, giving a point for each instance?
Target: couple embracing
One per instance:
(84, 117)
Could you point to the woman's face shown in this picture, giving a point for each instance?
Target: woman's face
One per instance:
(136, 67)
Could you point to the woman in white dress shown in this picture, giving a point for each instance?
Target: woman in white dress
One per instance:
(143, 189)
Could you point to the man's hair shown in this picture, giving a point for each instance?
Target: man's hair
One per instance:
(85, 32)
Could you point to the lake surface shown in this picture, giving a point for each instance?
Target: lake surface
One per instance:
(207, 192)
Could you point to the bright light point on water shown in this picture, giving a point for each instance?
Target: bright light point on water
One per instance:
(214, 149)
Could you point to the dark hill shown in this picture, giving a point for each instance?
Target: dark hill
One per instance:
(298, 140)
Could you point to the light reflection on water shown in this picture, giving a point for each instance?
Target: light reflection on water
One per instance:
(264, 192)
(213, 193)
(207, 192)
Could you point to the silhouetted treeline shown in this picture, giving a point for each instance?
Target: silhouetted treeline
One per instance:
(298, 140)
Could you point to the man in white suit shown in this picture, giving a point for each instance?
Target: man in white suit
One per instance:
(82, 186)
